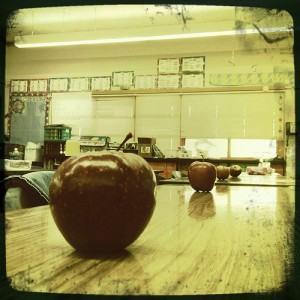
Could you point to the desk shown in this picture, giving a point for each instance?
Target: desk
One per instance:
(235, 239)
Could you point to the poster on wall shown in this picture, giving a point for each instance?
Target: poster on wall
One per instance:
(80, 84)
(102, 83)
(168, 65)
(123, 79)
(19, 86)
(145, 81)
(192, 64)
(38, 85)
(192, 80)
(168, 81)
(58, 84)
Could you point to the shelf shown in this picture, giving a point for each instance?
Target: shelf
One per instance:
(189, 90)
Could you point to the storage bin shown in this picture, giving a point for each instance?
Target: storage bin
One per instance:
(57, 133)
(17, 165)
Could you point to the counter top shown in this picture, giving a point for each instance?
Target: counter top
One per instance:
(235, 239)
(244, 179)
(6, 173)
(231, 160)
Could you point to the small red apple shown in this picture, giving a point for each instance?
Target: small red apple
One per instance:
(235, 170)
(222, 172)
(102, 202)
(202, 176)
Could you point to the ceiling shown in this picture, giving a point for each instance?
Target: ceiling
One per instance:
(157, 18)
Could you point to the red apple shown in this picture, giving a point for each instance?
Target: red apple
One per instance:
(235, 170)
(222, 172)
(102, 202)
(202, 176)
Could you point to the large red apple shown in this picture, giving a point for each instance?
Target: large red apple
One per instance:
(202, 176)
(235, 170)
(102, 202)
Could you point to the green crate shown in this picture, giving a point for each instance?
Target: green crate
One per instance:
(57, 133)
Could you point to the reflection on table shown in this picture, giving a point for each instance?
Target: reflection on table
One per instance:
(236, 239)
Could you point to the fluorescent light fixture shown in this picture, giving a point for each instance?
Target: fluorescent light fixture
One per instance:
(93, 37)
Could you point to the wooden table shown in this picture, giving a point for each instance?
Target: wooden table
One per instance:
(236, 239)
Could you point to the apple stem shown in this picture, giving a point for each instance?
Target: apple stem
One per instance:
(128, 136)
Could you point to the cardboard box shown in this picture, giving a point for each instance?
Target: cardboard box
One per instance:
(145, 146)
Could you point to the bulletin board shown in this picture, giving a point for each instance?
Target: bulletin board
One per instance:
(27, 118)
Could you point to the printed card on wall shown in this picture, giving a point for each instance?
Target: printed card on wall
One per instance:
(38, 85)
(192, 64)
(102, 83)
(19, 86)
(192, 80)
(79, 84)
(123, 78)
(168, 81)
(58, 84)
(145, 82)
(168, 65)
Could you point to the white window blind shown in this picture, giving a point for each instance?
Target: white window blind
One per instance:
(114, 116)
(72, 109)
(159, 116)
(93, 115)
(233, 115)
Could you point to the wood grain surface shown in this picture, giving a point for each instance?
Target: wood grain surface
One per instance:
(236, 239)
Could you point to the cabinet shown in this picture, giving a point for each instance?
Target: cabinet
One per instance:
(165, 166)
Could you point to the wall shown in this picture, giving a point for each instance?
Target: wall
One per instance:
(223, 55)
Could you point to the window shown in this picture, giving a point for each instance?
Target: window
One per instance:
(212, 147)
(218, 148)
(253, 148)
(248, 115)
